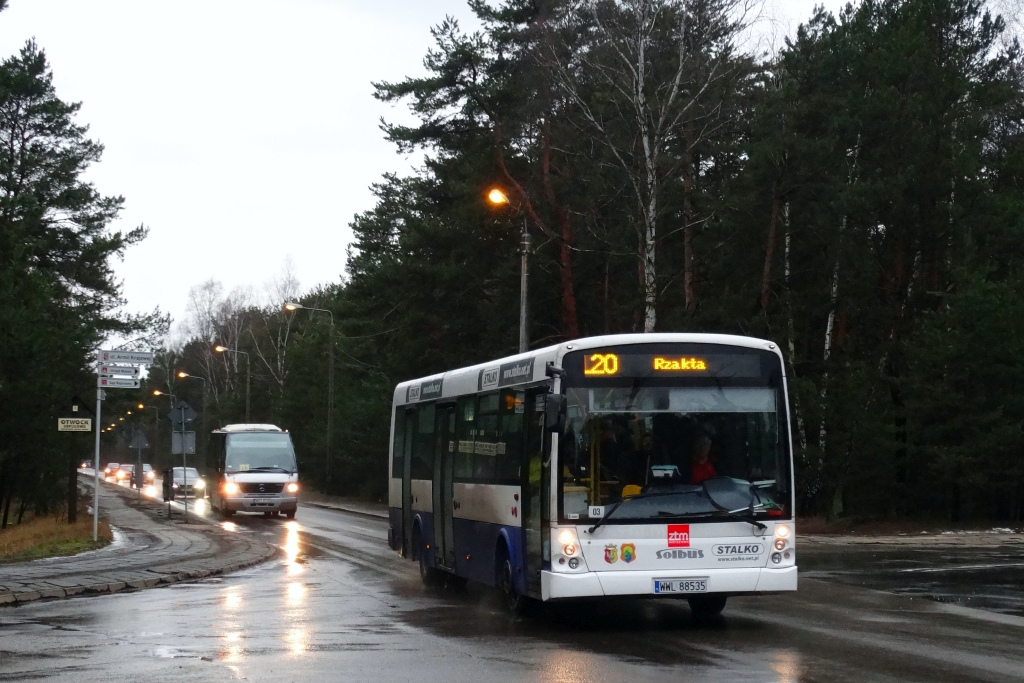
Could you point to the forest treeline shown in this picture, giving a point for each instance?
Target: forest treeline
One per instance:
(854, 196)
(59, 298)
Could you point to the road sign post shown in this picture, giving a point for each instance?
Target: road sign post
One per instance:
(181, 414)
(115, 370)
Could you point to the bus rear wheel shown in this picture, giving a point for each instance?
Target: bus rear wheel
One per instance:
(706, 607)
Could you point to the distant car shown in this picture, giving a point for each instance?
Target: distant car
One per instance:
(110, 470)
(124, 473)
(186, 483)
(86, 465)
(148, 474)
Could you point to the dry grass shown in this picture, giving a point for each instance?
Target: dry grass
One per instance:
(49, 537)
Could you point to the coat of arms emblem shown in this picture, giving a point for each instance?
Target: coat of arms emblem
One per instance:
(628, 552)
(611, 554)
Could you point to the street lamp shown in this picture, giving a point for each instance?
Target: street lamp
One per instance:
(184, 375)
(156, 423)
(499, 198)
(224, 349)
(184, 452)
(293, 306)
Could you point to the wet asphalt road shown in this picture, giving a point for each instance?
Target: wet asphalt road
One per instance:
(340, 606)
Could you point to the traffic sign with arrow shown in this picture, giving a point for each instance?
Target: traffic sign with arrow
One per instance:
(117, 383)
(111, 370)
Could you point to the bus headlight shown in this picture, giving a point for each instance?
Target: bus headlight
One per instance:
(782, 531)
(780, 544)
(293, 487)
(199, 485)
(230, 488)
(569, 549)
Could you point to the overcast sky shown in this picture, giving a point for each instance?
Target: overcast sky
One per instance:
(240, 132)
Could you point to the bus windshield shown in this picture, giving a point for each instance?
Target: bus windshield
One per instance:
(705, 451)
(260, 451)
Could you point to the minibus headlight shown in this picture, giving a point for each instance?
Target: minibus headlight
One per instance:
(569, 549)
(293, 487)
(780, 544)
(230, 488)
(782, 531)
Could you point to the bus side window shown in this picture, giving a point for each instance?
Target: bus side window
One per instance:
(423, 448)
(465, 426)
(510, 436)
(398, 448)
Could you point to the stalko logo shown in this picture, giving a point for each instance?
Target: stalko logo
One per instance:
(678, 535)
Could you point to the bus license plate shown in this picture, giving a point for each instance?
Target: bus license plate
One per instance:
(677, 586)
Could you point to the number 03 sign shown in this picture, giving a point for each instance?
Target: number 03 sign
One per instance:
(600, 365)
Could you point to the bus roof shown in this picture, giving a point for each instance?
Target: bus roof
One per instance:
(228, 429)
(531, 366)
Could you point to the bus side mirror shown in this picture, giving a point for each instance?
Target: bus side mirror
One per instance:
(554, 412)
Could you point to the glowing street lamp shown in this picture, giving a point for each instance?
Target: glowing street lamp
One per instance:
(498, 198)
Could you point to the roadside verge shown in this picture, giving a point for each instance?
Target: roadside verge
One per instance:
(147, 552)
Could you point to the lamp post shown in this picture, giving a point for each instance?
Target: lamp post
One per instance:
(184, 465)
(497, 197)
(202, 415)
(292, 306)
(224, 349)
(156, 424)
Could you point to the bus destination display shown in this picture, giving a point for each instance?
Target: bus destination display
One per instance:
(608, 364)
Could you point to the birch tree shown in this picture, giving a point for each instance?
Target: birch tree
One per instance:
(646, 84)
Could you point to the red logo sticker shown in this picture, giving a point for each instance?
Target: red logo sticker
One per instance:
(678, 535)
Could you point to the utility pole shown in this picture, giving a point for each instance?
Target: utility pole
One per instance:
(524, 270)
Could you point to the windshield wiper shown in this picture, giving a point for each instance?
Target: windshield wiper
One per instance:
(653, 494)
(728, 513)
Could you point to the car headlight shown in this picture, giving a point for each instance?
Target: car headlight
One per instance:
(120, 474)
(230, 488)
(174, 486)
(200, 484)
(293, 487)
(150, 475)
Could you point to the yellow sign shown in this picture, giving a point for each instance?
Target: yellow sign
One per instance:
(74, 424)
(679, 364)
(600, 365)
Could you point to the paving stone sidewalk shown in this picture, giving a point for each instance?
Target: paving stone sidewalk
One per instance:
(147, 551)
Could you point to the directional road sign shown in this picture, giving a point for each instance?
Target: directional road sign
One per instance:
(142, 357)
(74, 424)
(175, 414)
(111, 370)
(117, 383)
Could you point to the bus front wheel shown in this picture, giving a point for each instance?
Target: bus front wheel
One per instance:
(706, 607)
(516, 602)
(429, 575)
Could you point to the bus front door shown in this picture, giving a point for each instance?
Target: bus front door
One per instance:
(444, 458)
(535, 492)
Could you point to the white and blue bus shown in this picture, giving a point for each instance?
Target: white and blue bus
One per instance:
(622, 465)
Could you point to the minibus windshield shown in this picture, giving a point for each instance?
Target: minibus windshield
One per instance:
(260, 452)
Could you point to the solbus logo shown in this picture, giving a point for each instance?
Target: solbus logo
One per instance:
(678, 535)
